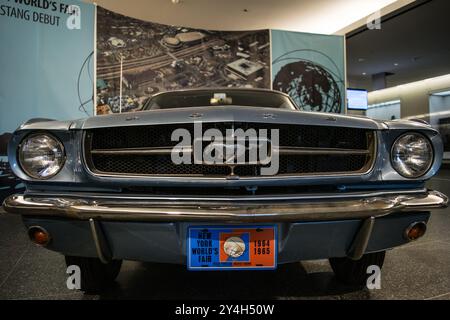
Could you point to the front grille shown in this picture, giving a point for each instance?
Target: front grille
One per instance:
(304, 150)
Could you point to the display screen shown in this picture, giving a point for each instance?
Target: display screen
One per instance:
(356, 99)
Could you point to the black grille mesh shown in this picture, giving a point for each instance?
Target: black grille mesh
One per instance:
(153, 165)
(290, 135)
(163, 165)
(160, 136)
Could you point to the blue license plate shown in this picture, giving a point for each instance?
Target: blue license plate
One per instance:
(232, 247)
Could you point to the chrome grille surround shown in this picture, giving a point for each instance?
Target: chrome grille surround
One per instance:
(304, 151)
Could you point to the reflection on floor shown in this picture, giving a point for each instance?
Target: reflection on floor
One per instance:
(415, 271)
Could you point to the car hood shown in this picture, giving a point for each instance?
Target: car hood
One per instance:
(222, 114)
(227, 114)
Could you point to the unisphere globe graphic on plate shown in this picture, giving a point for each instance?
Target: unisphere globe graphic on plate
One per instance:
(234, 247)
(310, 85)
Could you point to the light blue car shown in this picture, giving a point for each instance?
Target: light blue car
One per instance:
(224, 179)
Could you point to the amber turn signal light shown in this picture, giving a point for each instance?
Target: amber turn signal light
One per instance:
(39, 236)
(415, 230)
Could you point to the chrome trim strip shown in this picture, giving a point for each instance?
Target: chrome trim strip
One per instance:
(234, 199)
(280, 150)
(140, 151)
(320, 151)
(359, 244)
(101, 246)
(126, 210)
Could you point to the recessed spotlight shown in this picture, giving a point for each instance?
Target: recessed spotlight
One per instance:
(364, 73)
(396, 64)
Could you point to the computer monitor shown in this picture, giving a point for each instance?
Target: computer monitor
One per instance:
(357, 99)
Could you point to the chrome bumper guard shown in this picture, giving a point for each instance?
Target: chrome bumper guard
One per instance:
(348, 206)
(354, 206)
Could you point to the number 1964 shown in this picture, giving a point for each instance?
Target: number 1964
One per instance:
(262, 247)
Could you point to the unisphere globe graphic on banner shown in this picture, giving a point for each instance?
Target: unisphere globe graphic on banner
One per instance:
(309, 68)
(310, 85)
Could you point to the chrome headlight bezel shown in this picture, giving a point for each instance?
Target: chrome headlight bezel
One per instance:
(21, 159)
(429, 165)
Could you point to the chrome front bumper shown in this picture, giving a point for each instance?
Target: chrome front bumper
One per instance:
(238, 210)
(110, 218)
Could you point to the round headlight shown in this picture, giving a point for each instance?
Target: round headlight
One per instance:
(41, 156)
(412, 155)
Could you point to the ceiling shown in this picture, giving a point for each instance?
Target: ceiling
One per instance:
(412, 45)
(317, 16)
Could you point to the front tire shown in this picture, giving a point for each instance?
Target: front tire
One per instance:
(95, 275)
(354, 272)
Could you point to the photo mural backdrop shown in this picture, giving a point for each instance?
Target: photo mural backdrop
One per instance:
(310, 68)
(155, 57)
(46, 67)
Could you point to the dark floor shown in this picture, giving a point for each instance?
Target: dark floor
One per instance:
(419, 270)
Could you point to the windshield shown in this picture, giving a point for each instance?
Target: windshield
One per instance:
(219, 98)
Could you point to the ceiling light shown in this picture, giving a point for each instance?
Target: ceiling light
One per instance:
(441, 94)
(384, 104)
